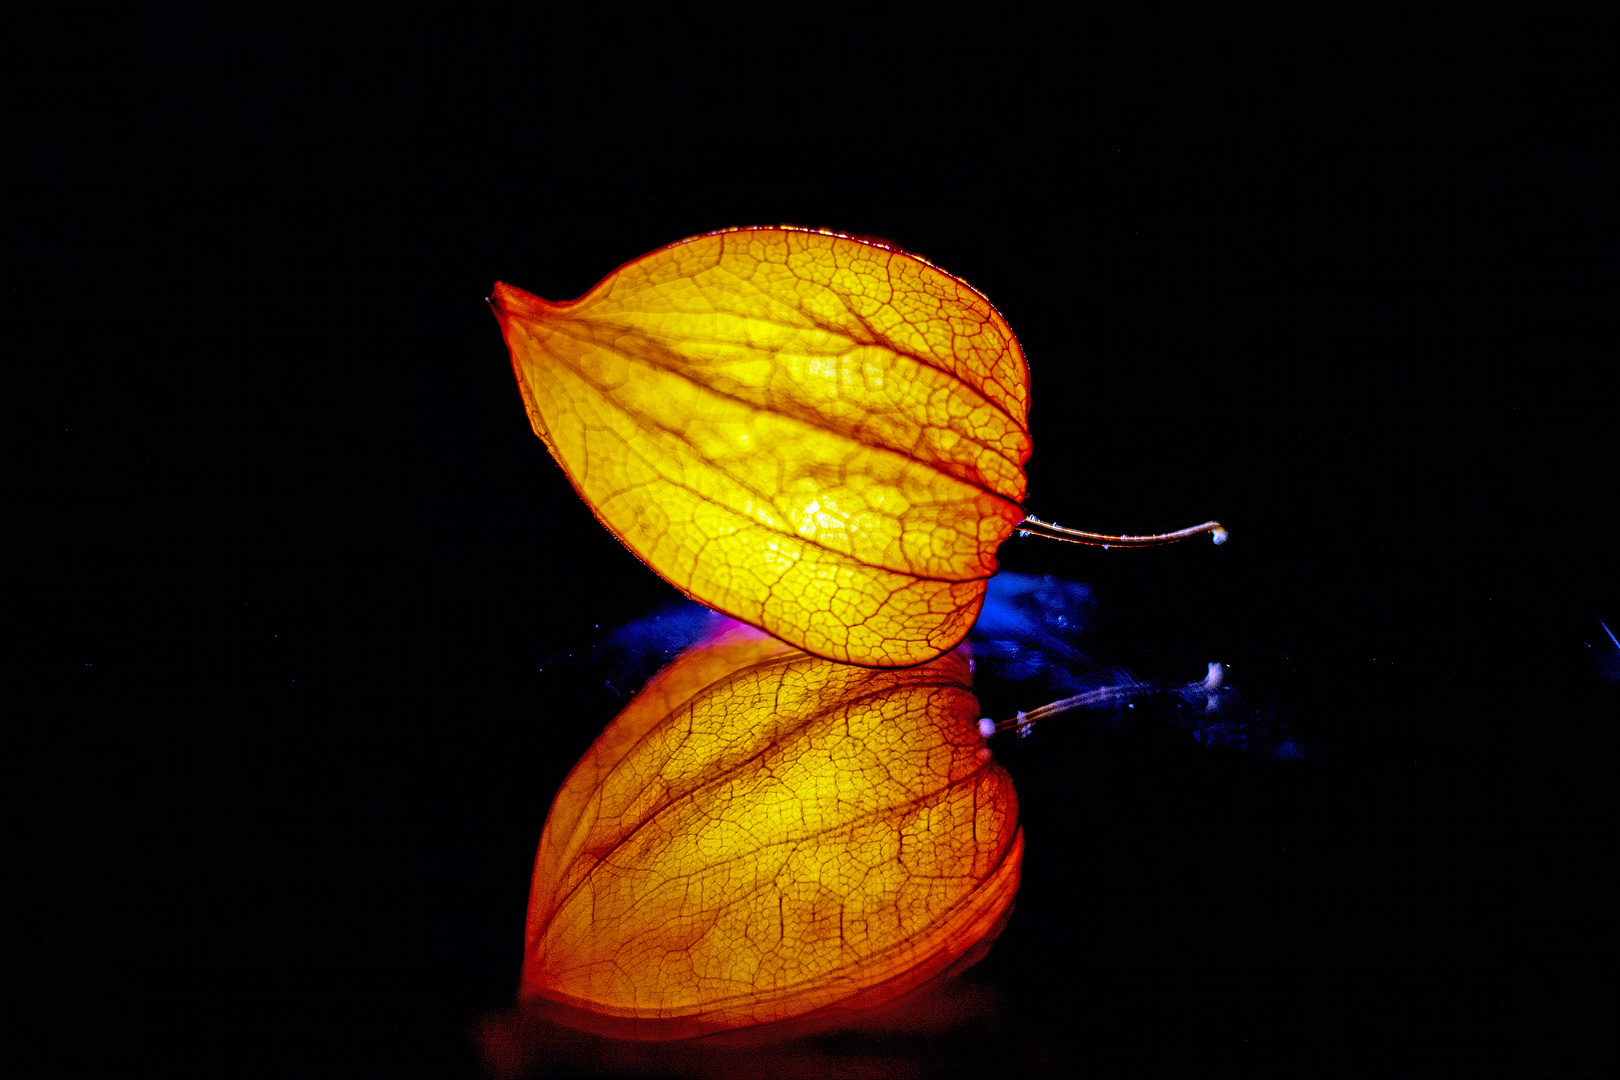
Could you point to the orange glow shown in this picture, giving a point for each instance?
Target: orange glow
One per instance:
(767, 837)
(821, 436)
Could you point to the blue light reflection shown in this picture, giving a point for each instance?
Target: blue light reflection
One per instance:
(1034, 643)
(1037, 634)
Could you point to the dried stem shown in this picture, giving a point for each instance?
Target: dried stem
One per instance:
(1033, 526)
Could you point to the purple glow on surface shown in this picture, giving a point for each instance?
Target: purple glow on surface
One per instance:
(625, 657)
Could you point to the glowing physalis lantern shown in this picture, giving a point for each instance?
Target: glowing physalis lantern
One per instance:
(819, 435)
(822, 436)
(764, 837)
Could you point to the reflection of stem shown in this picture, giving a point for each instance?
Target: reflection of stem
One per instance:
(1026, 720)
(1033, 526)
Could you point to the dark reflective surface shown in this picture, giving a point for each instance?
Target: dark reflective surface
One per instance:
(1339, 277)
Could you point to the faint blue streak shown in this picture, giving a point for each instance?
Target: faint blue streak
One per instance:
(1606, 657)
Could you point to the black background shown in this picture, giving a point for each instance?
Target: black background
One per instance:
(296, 588)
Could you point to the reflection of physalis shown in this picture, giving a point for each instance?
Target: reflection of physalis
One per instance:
(763, 837)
